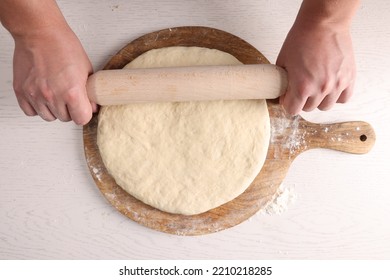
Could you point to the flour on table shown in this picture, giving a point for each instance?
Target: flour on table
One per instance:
(284, 197)
(184, 157)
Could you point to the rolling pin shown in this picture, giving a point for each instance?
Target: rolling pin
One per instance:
(256, 81)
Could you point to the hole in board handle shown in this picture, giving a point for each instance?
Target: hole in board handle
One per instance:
(363, 137)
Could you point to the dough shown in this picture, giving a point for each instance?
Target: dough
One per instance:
(184, 158)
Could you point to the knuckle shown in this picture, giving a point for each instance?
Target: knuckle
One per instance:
(47, 95)
(72, 95)
(28, 87)
(36, 92)
(341, 83)
(327, 87)
(28, 91)
(304, 90)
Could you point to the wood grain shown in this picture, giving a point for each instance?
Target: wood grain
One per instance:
(290, 137)
(178, 84)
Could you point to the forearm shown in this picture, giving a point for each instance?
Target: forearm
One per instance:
(331, 12)
(30, 17)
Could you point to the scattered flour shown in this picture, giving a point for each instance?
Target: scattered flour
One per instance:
(286, 132)
(284, 197)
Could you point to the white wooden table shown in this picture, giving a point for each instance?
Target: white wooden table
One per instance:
(50, 207)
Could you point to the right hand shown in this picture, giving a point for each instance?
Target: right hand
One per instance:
(320, 63)
(51, 69)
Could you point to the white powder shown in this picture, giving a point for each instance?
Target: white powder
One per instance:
(284, 197)
(291, 140)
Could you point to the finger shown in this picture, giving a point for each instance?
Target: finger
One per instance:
(293, 102)
(26, 107)
(43, 105)
(312, 103)
(45, 113)
(79, 106)
(328, 102)
(60, 111)
(32, 101)
(329, 91)
(24, 104)
(345, 95)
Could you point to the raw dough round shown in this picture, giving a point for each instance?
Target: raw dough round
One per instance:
(184, 158)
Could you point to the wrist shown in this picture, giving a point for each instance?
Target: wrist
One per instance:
(30, 18)
(47, 42)
(332, 14)
(37, 30)
(39, 34)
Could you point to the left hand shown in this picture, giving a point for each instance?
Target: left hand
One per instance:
(51, 69)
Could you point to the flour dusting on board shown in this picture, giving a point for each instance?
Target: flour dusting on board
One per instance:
(98, 172)
(286, 132)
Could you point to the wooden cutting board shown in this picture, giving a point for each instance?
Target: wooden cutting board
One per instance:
(290, 136)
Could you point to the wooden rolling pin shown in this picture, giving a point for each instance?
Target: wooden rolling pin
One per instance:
(257, 81)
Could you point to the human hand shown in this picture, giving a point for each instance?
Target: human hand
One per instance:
(50, 73)
(320, 64)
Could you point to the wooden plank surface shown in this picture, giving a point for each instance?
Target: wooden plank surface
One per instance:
(50, 207)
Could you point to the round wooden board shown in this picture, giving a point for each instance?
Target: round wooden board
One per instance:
(289, 137)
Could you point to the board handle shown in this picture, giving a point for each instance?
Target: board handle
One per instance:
(355, 137)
